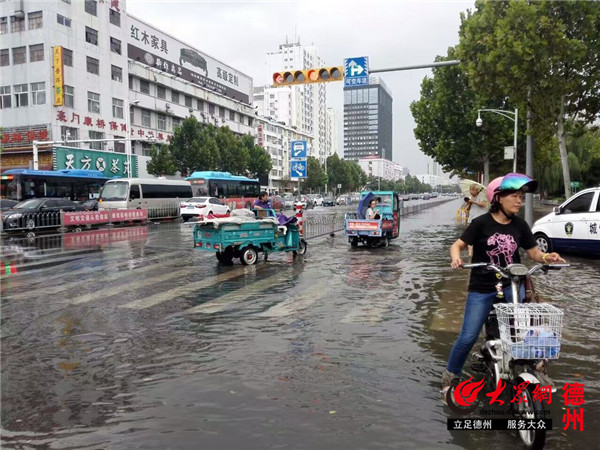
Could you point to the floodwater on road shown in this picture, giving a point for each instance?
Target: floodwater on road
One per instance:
(147, 343)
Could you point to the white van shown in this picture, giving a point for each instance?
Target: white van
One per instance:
(160, 197)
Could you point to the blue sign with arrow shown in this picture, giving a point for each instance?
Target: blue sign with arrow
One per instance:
(297, 169)
(356, 71)
(298, 149)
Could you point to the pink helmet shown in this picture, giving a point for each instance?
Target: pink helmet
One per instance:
(494, 184)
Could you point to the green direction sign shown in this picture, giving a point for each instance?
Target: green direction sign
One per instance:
(575, 184)
(111, 164)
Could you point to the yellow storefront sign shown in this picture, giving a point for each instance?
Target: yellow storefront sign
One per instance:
(59, 95)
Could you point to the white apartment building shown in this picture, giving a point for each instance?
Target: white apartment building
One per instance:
(121, 78)
(276, 138)
(380, 167)
(308, 102)
(332, 133)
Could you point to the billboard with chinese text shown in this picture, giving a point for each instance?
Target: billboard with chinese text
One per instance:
(109, 163)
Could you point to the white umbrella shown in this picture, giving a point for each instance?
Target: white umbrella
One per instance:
(465, 185)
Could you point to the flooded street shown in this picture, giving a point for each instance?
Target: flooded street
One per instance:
(144, 342)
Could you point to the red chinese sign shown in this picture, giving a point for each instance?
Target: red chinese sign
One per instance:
(363, 225)
(24, 137)
(107, 216)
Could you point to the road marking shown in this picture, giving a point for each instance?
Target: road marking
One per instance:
(296, 303)
(108, 278)
(108, 292)
(186, 289)
(231, 299)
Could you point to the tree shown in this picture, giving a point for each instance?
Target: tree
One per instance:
(194, 147)
(233, 156)
(545, 55)
(445, 116)
(259, 161)
(160, 163)
(315, 175)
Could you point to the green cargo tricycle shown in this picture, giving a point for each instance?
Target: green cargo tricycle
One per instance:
(232, 238)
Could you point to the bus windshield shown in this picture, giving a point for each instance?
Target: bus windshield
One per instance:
(115, 191)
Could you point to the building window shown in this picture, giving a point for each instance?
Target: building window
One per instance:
(67, 57)
(161, 122)
(5, 100)
(232, 116)
(91, 36)
(4, 57)
(119, 146)
(62, 20)
(116, 73)
(96, 135)
(144, 87)
(175, 97)
(146, 118)
(3, 25)
(38, 93)
(221, 112)
(93, 102)
(115, 17)
(73, 134)
(200, 105)
(211, 108)
(19, 55)
(117, 108)
(161, 92)
(93, 65)
(115, 45)
(16, 25)
(176, 122)
(35, 20)
(20, 95)
(69, 96)
(36, 52)
(91, 7)
(188, 101)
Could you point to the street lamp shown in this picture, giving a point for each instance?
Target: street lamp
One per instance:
(128, 143)
(514, 116)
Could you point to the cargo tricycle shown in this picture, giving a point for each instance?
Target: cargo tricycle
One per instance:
(376, 232)
(245, 238)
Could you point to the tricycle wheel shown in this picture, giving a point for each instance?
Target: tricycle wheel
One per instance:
(225, 257)
(354, 242)
(249, 256)
(302, 247)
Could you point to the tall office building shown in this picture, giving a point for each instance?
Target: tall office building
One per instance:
(368, 121)
(308, 102)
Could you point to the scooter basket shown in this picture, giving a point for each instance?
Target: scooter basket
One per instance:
(530, 330)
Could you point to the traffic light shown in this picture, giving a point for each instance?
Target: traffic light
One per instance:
(305, 76)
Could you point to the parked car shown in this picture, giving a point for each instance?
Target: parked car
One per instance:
(344, 200)
(38, 213)
(276, 202)
(318, 200)
(90, 205)
(196, 206)
(306, 202)
(289, 201)
(405, 197)
(328, 201)
(574, 226)
(7, 204)
(414, 196)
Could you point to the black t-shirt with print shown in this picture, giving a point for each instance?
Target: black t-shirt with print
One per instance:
(495, 243)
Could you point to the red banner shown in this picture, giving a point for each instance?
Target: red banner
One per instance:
(363, 225)
(100, 217)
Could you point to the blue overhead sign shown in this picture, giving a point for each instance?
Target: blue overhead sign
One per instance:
(356, 71)
(298, 169)
(298, 149)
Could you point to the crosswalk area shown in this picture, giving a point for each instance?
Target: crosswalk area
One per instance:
(189, 284)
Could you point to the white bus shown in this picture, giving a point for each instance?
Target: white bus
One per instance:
(160, 197)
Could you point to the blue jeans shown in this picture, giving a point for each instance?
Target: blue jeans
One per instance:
(477, 309)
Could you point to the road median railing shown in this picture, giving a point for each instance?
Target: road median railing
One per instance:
(326, 225)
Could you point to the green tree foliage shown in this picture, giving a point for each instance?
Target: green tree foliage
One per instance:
(545, 55)
(259, 161)
(445, 116)
(316, 178)
(197, 146)
(347, 173)
(160, 163)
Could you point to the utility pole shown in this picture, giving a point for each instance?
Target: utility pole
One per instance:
(529, 163)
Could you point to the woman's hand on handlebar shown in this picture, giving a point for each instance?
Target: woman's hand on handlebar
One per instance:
(456, 263)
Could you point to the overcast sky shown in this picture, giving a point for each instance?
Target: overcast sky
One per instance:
(390, 33)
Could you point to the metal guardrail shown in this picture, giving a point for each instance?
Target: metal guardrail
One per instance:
(31, 221)
(322, 225)
(164, 211)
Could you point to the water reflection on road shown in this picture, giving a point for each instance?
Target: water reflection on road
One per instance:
(149, 344)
